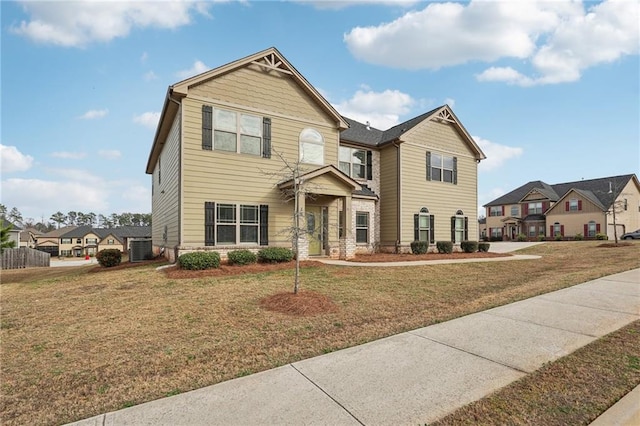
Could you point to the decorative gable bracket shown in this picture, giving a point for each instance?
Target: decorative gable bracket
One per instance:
(271, 62)
(444, 116)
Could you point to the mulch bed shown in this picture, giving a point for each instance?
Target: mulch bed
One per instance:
(305, 303)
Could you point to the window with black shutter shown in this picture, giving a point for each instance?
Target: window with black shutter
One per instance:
(207, 127)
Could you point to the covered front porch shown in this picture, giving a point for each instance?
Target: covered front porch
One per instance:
(322, 222)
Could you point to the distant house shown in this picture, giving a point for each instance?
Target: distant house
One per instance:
(86, 240)
(586, 207)
(222, 142)
(29, 237)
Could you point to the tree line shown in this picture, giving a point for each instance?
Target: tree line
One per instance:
(59, 219)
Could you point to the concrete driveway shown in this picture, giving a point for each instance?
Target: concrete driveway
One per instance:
(79, 262)
(509, 246)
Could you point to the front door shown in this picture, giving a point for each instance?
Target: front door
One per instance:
(314, 230)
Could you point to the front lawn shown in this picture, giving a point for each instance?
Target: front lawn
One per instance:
(78, 344)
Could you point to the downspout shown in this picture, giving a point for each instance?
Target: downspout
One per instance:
(179, 174)
(398, 198)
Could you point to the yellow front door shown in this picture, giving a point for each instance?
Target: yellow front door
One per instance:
(314, 230)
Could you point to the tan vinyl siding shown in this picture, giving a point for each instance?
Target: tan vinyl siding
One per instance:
(166, 195)
(388, 195)
(442, 199)
(268, 91)
(225, 177)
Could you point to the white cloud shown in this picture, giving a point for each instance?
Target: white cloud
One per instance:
(32, 196)
(93, 114)
(558, 39)
(198, 67)
(144, 57)
(150, 76)
(12, 160)
(381, 109)
(496, 154)
(148, 119)
(69, 155)
(75, 24)
(110, 154)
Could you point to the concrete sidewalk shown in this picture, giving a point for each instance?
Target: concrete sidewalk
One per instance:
(415, 377)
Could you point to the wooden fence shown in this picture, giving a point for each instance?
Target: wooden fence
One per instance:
(24, 257)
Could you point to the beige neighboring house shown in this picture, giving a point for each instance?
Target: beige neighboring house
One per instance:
(50, 241)
(74, 241)
(14, 232)
(564, 210)
(29, 237)
(225, 136)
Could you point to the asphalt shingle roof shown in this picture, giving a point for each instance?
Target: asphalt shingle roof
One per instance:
(595, 189)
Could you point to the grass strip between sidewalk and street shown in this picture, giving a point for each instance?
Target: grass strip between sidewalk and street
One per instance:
(573, 390)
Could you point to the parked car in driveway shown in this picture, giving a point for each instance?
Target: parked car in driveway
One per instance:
(635, 235)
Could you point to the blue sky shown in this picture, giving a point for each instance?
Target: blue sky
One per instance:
(549, 90)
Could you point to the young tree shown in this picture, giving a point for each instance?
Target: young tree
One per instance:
(4, 237)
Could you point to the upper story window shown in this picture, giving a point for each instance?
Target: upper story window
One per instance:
(535, 207)
(311, 147)
(231, 131)
(78, 240)
(65, 240)
(442, 168)
(573, 205)
(91, 241)
(355, 162)
(495, 211)
(515, 211)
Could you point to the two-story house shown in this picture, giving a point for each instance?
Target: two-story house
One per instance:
(586, 207)
(87, 240)
(240, 148)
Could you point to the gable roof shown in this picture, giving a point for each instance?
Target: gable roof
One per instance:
(330, 170)
(78, 232)
(596, 190)
(6, 224)
(57, 233)
(268, 59)
(364, 134)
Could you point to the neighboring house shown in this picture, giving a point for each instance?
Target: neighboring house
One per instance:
(225, 136)
(586, 207)
(86, 240)
(482, 228)
(29, 237)
(14, 232)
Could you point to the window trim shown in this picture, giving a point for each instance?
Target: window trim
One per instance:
(366, 162)
(360, 228)
(212, 222)
(431, 167)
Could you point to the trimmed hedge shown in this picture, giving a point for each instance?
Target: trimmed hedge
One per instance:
(199, 260)
(521, 237)
(469, 246)
(275, 255)
(578, 237)
(241, 257)
(601, 236)
(419, 247)
(445, 247)
(483, 247)
(109, 257)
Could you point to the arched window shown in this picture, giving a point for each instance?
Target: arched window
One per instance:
(459, 227)
(423, 226)
(311, 147)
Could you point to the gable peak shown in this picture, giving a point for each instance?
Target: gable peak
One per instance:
(271, 61)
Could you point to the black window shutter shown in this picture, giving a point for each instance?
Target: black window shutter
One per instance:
(264, 225)
(209, 223)
(432, 238)
(466, 229)
(207, 127)
(416, 227)
(428, 165)
(266, 137)
(453, 229)
(455, 170)
(369, 165)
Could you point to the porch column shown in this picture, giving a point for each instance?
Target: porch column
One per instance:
(348, 240)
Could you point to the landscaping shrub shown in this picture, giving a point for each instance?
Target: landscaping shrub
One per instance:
(445, 247)
(199, 260)
(495, 239)
(241, 257)
(541, 237)
(558, 237)
(484, 247)
(578, 237)
(600, 236)
(469, 246)
(275, 255)
(109, 257)
(419, 247)
(521, 237)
